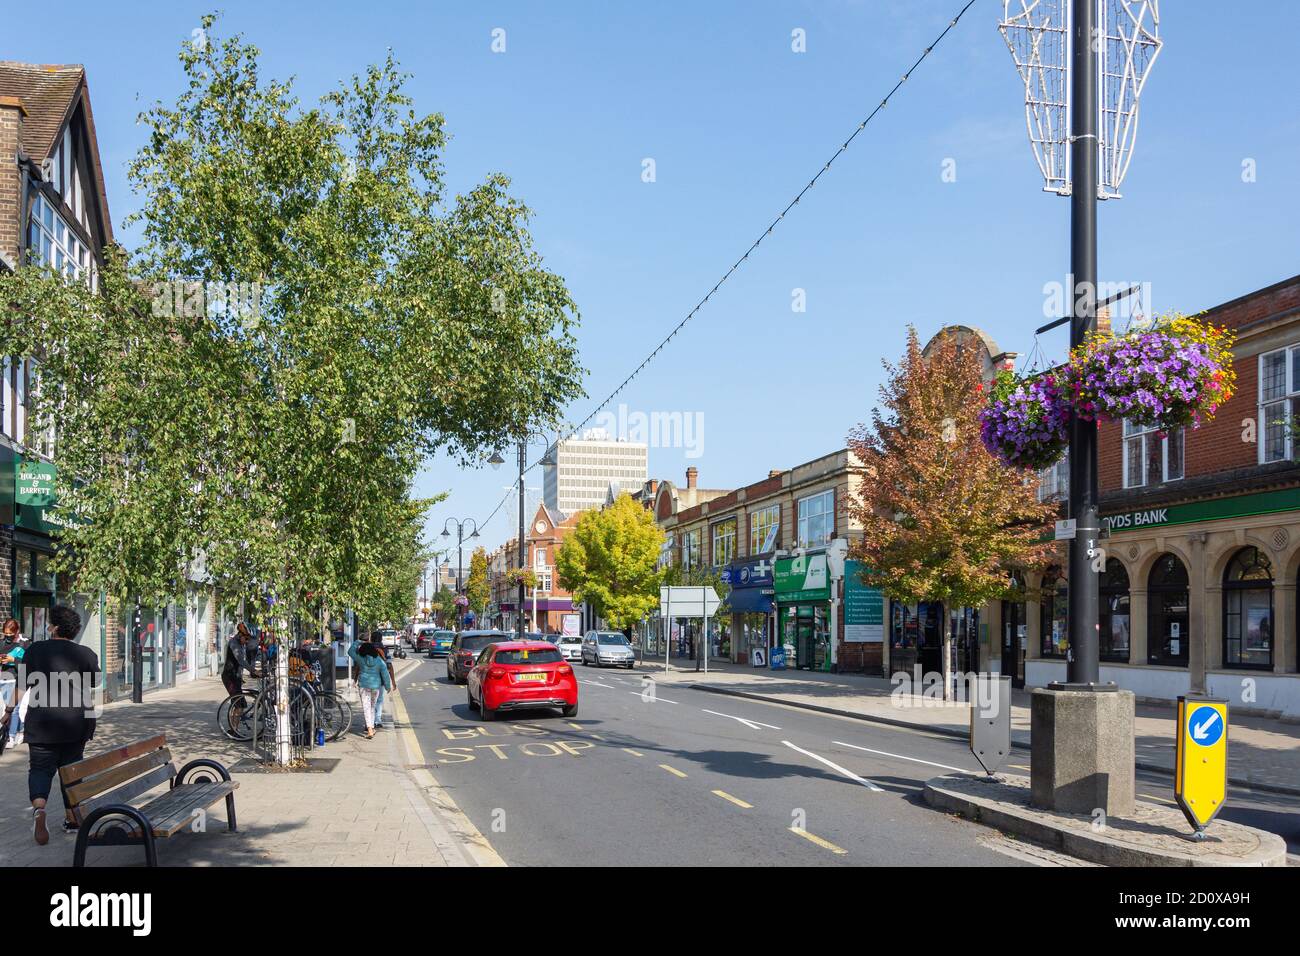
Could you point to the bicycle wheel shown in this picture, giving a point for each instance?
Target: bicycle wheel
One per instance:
(235, 715)
(333, 714)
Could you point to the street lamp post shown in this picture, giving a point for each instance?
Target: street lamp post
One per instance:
(496, 461)
(460, 538)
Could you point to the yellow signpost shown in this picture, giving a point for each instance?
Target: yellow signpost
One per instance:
(1201, 759)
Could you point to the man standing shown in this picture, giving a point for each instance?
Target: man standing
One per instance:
(62, 676)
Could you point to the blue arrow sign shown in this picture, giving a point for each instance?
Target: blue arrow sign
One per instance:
(1205, 726)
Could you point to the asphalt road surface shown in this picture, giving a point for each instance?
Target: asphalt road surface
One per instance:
(686, 777)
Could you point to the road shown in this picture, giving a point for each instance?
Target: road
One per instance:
(687, 777)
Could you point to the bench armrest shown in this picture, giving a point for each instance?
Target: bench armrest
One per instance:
(205, 772)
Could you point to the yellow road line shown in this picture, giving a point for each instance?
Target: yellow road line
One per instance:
(1152, 796)
(672, 770)
(1017, 766)
(634, 753)
(824, 844)
(736, 800)
(575, 726)
(596, 736)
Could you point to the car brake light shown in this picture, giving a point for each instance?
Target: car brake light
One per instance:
(564, 669)
(496, 673)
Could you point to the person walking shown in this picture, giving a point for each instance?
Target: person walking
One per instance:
(13, 645)
(61, 675)
(372, 678)
(377, 639)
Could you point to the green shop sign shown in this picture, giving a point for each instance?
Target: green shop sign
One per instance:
(34, 484)
(864, 608)
(805, 578)
(1267, 502)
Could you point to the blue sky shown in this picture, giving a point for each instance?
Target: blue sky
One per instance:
(736, 123)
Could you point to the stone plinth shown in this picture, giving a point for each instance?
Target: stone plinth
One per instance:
(1082, 755)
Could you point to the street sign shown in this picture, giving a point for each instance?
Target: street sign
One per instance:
(688, 601)
(990, 721)
(1201, 759)
(1065, 530)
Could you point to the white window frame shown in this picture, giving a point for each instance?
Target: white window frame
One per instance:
(1288, 402)
(735, 540)
(1054, 482)
(802, 519)
(774, 531)
(1133, 434)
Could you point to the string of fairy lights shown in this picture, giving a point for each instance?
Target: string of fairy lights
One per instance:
(753, 247)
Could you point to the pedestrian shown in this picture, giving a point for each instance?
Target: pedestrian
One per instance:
(377, 639)
(62, 676)
(372, 678)
(13, 645)
(239, 658)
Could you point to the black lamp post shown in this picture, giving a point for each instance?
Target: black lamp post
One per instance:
(460, 537)
(496, 461)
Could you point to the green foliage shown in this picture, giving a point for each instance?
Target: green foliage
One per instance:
(275, 438)
(610, 560)
(477, 587)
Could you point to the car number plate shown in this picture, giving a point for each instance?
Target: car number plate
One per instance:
(532, 677)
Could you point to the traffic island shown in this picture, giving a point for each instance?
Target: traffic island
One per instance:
(1152, 835)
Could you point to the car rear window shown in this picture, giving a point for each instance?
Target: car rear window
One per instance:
(570, 640)
(477, 642)
(543, 656)
(612, 639)
(444, 635)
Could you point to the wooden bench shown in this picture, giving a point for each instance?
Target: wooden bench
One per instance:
(98, 791)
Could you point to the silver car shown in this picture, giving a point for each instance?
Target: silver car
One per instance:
(607, 647)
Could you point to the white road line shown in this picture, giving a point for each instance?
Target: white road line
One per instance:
(656, 699)
(836, 767)
(595, 683)
(751, 724)
(886, 753)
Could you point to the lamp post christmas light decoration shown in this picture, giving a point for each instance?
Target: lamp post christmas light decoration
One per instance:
(1084, 64)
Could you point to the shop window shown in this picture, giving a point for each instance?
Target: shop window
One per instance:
(816, 519)
(691, 549)
(1113, 616)
(1248, 611)
(1054, 481)
(1150, 456)
(1054, 635)
(1167, 621)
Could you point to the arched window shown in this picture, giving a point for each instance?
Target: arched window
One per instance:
(1167, 634)
(1248, 610)
(1054, 633)
(1113, 615)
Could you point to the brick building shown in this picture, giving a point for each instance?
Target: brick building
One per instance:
(1203, 539)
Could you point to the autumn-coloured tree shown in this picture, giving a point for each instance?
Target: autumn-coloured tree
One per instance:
(477, 588)
(942, 519)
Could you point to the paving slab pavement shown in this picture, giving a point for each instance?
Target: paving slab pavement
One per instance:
(371, 809)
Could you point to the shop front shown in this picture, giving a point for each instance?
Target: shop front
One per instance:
(750, 605)
(802, 594)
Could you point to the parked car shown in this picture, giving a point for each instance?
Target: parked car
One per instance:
(571, 647)
(518, 675)
(466, 648)
(438, 641)
(607, 647)
(391, 638)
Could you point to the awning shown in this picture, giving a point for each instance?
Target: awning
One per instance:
(749, 601)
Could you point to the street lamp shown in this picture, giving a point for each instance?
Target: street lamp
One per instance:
(460, 538)
(496, 461)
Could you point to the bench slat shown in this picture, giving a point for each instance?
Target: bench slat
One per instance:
(76, 772)
(126, 792)
(103, 782)
(173, 811)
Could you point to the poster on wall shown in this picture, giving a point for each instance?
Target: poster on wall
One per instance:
(569, 625)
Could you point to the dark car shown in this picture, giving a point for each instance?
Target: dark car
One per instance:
(465, 650)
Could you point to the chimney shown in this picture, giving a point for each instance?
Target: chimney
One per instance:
(692, 476)
(654, 485)
(774, 473)
(12, 113)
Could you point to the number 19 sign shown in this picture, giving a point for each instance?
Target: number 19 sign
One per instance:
(1201, 759)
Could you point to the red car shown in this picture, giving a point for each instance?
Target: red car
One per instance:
(518, 675)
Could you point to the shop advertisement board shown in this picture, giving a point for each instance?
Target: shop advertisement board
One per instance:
(34, 483)
(800, 579)
(864, 608)
(569, 625)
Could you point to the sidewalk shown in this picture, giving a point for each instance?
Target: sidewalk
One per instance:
(370, 810)
(1263, 753)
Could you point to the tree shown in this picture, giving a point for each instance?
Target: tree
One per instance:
(610, 560)
(942, 520)
(444, 602)
(275, 434)
(477, 588)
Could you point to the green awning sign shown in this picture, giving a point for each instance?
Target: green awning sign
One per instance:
(34, 484)
(802, 579)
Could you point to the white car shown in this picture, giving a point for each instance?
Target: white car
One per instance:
(607, 647)
(570, 646)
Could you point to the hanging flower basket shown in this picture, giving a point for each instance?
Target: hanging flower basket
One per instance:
(1173, 375)
(1026, 422)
